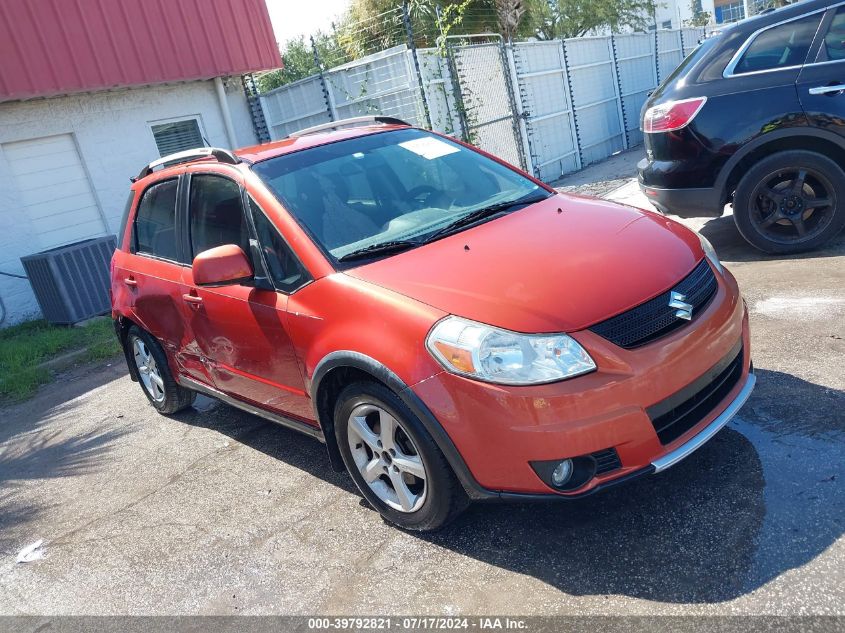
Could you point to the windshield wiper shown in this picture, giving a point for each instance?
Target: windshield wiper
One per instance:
(379, 248)
(486, 212)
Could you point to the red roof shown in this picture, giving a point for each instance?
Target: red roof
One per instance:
(51, 47)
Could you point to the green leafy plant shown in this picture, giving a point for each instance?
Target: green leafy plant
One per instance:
(550, 19)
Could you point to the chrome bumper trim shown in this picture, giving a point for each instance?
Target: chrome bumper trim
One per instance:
(685, 450)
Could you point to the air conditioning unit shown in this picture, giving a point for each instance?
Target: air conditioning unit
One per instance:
(71, 282)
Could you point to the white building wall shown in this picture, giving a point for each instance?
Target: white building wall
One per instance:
(679, 11)
(112, 132)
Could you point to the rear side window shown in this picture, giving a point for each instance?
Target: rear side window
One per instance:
(834, 41)
(780, 46)
(286, 271)
(155, 222)
(216, 214)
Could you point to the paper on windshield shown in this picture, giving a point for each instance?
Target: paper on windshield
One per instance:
(429, 147)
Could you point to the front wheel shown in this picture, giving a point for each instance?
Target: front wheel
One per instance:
(790, 202)
(393, 460)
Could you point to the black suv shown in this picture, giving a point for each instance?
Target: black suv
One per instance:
(756, 116)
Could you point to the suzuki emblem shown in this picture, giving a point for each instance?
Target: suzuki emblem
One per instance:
(684, 309)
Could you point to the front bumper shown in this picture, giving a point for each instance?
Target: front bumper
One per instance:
(706, 434)
(666, 461)
(692, 202)
(498, 430)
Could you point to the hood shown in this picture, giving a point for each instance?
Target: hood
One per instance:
(540, 270)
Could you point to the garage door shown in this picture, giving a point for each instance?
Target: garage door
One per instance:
(54, 189)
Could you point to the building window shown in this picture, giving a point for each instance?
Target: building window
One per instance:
(177, 135)
(730, 12)
(666, 25)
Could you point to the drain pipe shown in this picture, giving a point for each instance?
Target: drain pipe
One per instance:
(224, 110)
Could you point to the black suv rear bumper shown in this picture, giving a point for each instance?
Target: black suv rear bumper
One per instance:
(705, 202)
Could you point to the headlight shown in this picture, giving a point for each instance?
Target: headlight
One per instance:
(508, 358)
(710, 252)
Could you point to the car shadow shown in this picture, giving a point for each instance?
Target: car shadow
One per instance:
(732, 247)
(759, 499)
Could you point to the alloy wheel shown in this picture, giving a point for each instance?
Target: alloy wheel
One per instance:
(148, 370)
(387, 458)
(793, 206)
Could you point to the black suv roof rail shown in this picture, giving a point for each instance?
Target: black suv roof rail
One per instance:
(358, 120)
(222, 156)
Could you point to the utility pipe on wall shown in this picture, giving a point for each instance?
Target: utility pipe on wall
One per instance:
(224, 110)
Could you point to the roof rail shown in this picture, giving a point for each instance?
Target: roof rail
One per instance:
(222, 156)
(358, 120)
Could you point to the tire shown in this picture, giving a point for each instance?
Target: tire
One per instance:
(435, 499)
(154, 375)
(772, 202)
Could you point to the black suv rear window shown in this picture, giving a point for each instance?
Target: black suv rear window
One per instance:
(780, 46)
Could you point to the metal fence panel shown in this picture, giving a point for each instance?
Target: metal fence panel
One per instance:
(551, 106)
(382, 83)
(670, 52)
(594, 94)
(637, 78)
(690, 37)
(488, 112)
(439, 94)
(295, 106)
(544, 90)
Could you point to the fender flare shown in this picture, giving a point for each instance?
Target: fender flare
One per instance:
(356, 360)
(763, 139)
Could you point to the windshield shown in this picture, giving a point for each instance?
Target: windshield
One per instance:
(396, 186)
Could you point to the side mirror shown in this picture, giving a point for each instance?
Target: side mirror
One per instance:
(222, 265)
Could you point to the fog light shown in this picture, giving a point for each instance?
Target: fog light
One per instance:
(562, 473)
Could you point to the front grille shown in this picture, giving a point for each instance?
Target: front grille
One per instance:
(679, 413)
(653, 319)
(606, 460)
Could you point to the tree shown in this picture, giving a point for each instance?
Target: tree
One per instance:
(699, 16)
(510, 14)
(549, 19)
(455, 17)
(298, 60)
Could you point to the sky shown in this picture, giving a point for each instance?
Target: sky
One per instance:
(291, 18)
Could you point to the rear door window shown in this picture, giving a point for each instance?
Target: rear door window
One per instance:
(216, 214)
(781, 46)
(155, 222)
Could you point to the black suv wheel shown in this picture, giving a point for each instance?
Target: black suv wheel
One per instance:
(790, 202)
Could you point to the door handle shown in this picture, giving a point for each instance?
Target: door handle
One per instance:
(192, 299)
(826, 90)
(130, 281)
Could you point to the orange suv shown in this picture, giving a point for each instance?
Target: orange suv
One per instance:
(450, 327)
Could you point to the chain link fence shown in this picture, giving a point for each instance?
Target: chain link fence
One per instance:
(550, 107)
